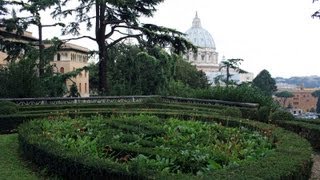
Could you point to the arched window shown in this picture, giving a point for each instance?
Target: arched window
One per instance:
(85, 88)
(58, 57)
(62, 70)
(80, 87)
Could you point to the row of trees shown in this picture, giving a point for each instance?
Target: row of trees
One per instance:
(134, 70)
(109, 19)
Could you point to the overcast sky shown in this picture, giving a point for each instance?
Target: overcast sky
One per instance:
(277, 35)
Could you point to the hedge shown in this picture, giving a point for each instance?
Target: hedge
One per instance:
(291, 158)
(307, 130)
(9, 123)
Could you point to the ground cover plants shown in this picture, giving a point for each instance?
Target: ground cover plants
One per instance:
(151, 147)
(154, 144)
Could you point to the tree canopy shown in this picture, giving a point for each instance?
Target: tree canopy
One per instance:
(228, 65)
(284, 95)
(142, 71)
(111, 21)
(265, 82)
(317, 94)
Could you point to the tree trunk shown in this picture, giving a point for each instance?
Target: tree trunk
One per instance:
(101, 40)
(41, 60)
(228, 76)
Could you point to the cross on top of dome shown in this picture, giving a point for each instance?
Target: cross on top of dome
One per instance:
(196, 23)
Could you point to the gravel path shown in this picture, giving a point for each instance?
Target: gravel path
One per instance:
(315, 173)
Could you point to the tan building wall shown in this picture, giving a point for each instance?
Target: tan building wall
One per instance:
(302, 99)
(70, 58)
(2, 61)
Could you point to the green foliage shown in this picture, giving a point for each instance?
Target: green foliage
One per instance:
(138, 71)
(149, 144)
(232, 112)
(189, 75)
(276, 164)
(243, 93)
(281, 115)
(119, 17)
(264, 113)
(74, 91)
(228, 65)
(265, 82)
(284, 95)
(317, 94)
(7, 107)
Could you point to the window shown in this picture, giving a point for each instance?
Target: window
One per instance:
(62, 70)
(202, 57)
(58, 57)
(195, 56)
(85, 88)
(80, 87)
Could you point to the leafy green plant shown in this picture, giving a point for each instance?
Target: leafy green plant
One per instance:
(7, 107)
(281, 115)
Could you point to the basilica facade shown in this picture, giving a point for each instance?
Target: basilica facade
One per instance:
(206, 58)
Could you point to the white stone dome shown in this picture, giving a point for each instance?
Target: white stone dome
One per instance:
(199, 36)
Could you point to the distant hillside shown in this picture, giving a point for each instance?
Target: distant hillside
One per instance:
(306, 81)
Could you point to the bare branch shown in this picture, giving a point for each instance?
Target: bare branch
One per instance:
(81, 37)
(122, 38)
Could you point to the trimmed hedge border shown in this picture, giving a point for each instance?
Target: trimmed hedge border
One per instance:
(310, 131)
(290, 160)
(9, 123)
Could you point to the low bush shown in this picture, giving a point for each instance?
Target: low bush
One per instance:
(263, 114)
(232, 112)
(7, 107)
(281, 115)
(307, 130)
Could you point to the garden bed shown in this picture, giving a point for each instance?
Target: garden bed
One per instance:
(159, 147)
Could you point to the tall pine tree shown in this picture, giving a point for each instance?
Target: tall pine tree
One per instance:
(115, 18)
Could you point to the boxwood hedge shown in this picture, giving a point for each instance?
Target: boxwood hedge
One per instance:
(291, 158)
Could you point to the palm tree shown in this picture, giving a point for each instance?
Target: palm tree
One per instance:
(231, 64)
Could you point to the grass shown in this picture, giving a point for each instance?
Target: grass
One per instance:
(11, 165)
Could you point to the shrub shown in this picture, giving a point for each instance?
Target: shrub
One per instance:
(232, 112)
(263, 114)
(7, 107)
(280, 115)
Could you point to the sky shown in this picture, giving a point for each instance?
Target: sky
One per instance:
(279, 36)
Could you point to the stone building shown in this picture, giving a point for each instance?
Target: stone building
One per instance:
(302, 100)
(69, 58)
(206, 59)
(26, 37)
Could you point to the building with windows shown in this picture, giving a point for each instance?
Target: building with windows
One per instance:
(206, 59)
(302, 100)
(5, 36)
(69, 58)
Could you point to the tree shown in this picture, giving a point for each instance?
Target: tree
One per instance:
(284, 95)
(21, 23)
(228, 65)
(265, 82)
(3, 9)
(115, 18)
(317, 94)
